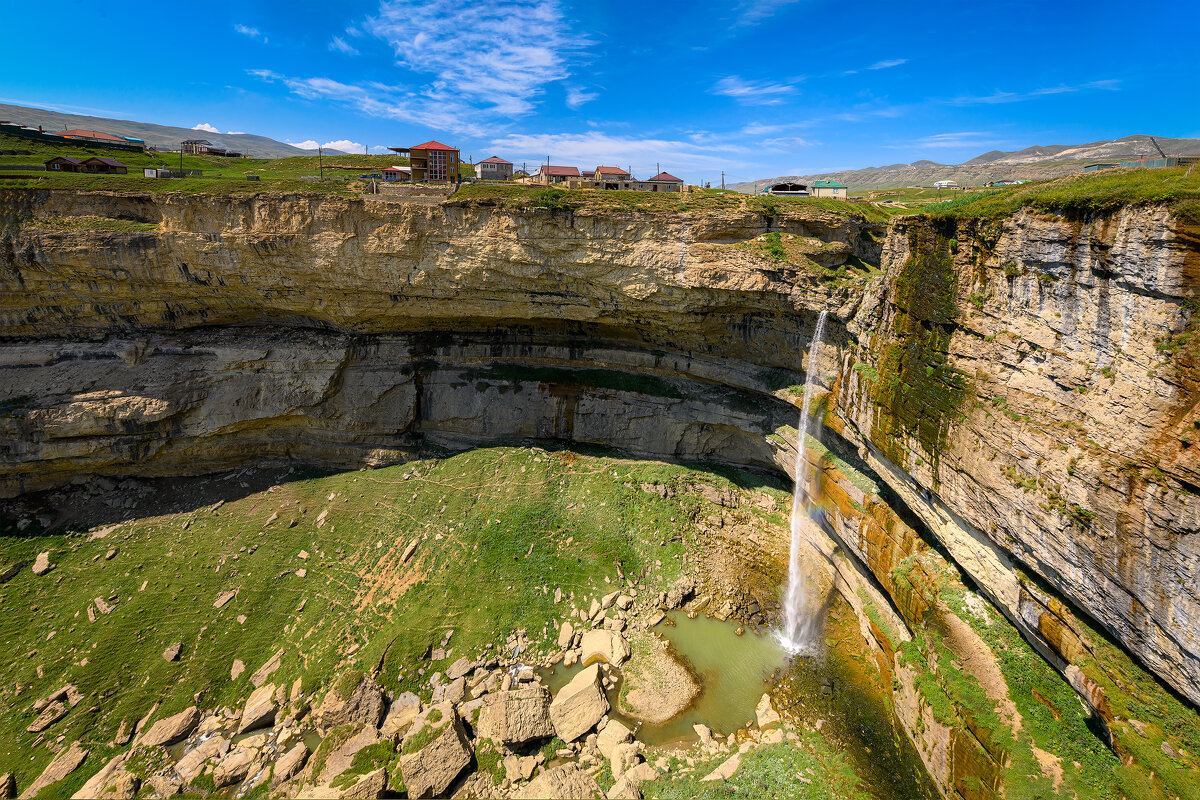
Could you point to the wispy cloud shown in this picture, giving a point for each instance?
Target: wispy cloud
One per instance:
(576, 96)
(762, 93)
(595, 147)
(339, 45)
(972, 139)
(889, 63)
(206, 127)
(1000, 96)
(345, 145)
(759, 129)
(253, 33)
(752, 12)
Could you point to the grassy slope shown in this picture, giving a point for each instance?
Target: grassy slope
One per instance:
(1098, 191)
(505, 516)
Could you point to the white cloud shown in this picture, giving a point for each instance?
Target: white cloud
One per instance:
(235, 133)
(765, 93)
(972, 139)
(894, 62)
(345, 145)
(476, 61)
(759, 129)
(587, 150)
(576, 97)
(207, 128)
(339, 45)
(253, 33)
(755, 11)
(999, 96)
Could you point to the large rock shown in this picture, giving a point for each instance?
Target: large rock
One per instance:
(354, 697)
(97, 785)
(400, 715)
(608, 645)
(62, 765)
(41, 564)
(191, 764)
(171, 730)
(8, 786)
(579, 705)
(435, 751)
(234, 767)
(516, 717)
(289, 764)
(259, 710)
(613, 734)
(566, 782)
(371, 785)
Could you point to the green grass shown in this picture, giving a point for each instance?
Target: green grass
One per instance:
(1093, 192)
(515, 523)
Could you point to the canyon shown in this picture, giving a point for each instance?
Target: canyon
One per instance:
(1008, 403)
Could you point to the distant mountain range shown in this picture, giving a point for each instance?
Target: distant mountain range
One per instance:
(1033, 163)
(163, 137)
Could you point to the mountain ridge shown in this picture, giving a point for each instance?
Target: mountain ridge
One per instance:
(163, 137)
(1030, 163)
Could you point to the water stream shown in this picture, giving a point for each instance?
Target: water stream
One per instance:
(799, 632)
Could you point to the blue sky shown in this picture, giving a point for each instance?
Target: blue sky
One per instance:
(754, 89)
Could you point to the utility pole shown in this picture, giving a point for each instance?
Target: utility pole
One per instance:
(722, 179)
(181, 159)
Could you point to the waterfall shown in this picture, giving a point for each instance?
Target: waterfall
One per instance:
(799, 625)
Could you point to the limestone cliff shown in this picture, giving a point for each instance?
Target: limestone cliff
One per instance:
(1017, 393)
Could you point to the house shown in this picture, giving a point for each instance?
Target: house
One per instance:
(63, 164)
(788, 190)
(98, 136)
(104, 166)
(553, 174)
(431, 162)
(665, 182)
(494, 169)
(833, 189)
(610, 177)
(195, 146)
(396, 173)
(945, 184)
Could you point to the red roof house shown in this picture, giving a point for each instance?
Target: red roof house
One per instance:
(432, 162)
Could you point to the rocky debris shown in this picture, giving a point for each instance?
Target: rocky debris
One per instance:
(630, 783)
(237, 669)
(680, 591)
(705, 734)
(164, 785)
(289, 764)
(170, 730)
(566, 635)
(371, 785)
(765, 714)
(459, 668)
(8, 786)
(579, 705)
(7, 573)
(41, 564)
(102, 606)
(516, 717)
(51, 714)
(60, 767)
(429, 771)
(110, 554)
(224, 597)
(400, 715)
(562, 783)
(611, 735)
(725, 770)
(259, 710)
(234, 767)
(262, 673)
(333, 757)
(172, 652)
(408, 551)
(354, 697)
(189, 767)
(608, 645)
(112, 782)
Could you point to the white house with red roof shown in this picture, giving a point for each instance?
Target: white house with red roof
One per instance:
(494, 169)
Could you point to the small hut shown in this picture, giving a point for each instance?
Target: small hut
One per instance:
(103, 166)
(63, 164)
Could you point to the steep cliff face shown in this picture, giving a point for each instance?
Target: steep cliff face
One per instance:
(1008, 400)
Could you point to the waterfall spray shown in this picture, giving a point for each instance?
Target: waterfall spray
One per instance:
(799, 626)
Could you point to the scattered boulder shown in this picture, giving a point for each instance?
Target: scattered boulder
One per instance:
(289, 764)
(262, 673)
(224, 597)
(8, 785)
(371, 785)
(726, 770)
(237, 669)
(51, 714)
(680, 591)
(566, 635)
(516, 717)
(41, 564)
(561, 783)
(401, 713)
(579, 705)
(7, 573)
(99, 784)
(60, 767)
(766, 715)
(354, 697)
(608, 645)
(459, 668)
(234, 767)
(259, 710)
(172, 652)
(613, 734)
(435, 751)
(189, 767)
(334, 756)
(171, 730)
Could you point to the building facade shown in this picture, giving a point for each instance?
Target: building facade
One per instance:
(837, 191)
(494, 169)
(431, 162)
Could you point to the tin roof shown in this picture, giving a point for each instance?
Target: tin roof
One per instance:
(666, 176)
(77, 132)
(828, 185)
(572, 172)
(65, 159)
(610, 171)
(112, 162)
